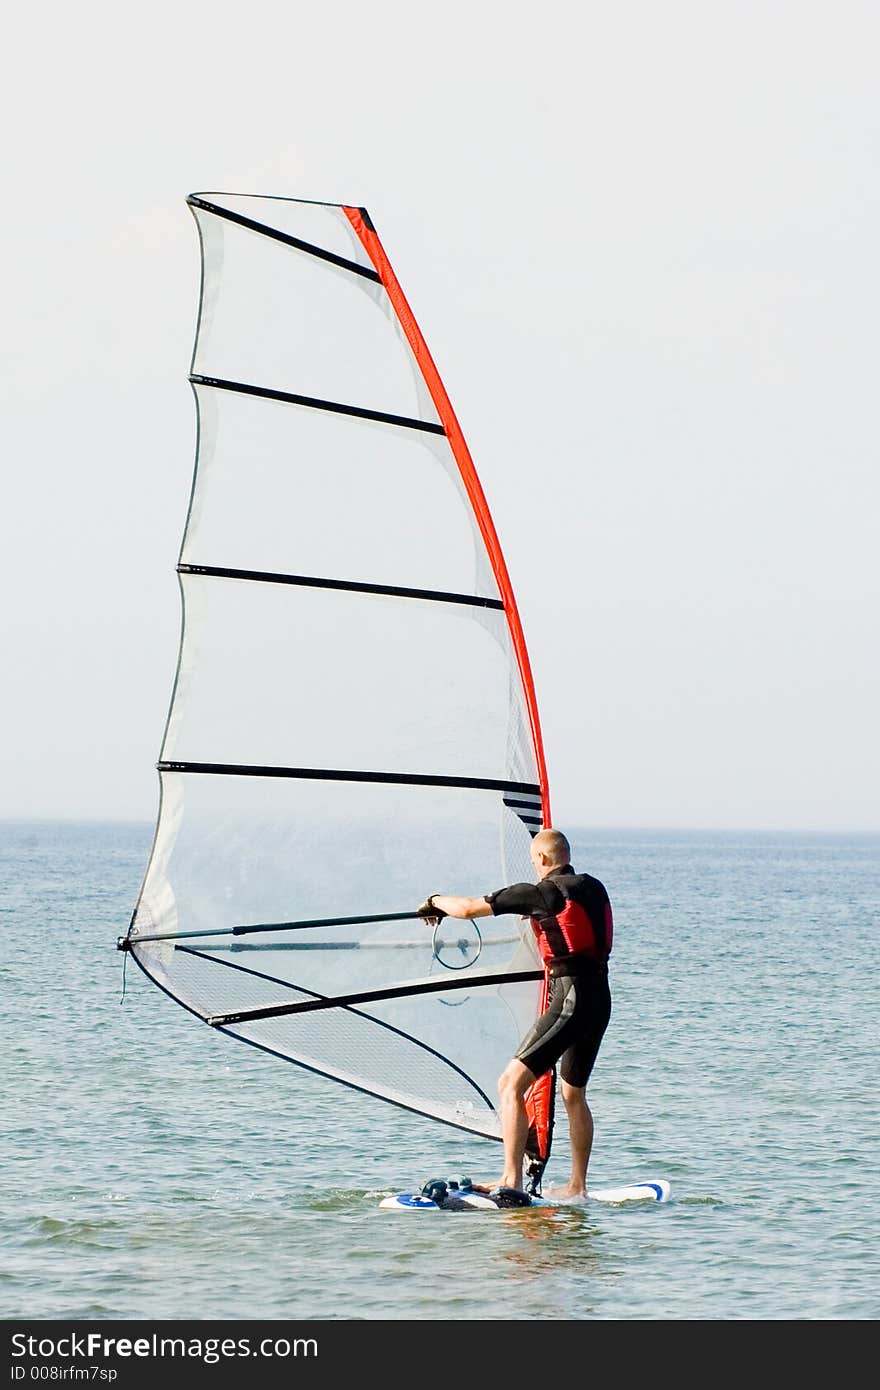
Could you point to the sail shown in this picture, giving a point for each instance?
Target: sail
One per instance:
(353, 723)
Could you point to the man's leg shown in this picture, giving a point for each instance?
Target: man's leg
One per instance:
(580, 1128)
(513, 1083)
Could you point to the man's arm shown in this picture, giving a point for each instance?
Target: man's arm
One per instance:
(460, 907)
(441, 905)
(522, 899)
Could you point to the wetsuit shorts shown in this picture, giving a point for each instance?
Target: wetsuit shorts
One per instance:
(571, 1028)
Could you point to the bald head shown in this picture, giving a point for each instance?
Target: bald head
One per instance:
(550, 850)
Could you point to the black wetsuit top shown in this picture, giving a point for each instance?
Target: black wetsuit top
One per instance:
(571, 916)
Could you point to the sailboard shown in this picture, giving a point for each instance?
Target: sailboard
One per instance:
(462, 1195)
(353, 722)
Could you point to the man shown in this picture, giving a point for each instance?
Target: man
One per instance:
(571, 918)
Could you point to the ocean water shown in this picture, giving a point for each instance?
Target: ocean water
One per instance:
(153, 1169)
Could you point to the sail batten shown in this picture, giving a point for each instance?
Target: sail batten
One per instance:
(321, 252)
(345, 1001)
(348, 585)
(313, 403)
(332, 774)
(353, 721)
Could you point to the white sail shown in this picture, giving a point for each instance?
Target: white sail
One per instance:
(353, 723)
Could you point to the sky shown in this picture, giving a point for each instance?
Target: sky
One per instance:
(641, 242)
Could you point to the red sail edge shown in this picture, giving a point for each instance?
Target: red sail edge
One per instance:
(539, 1098)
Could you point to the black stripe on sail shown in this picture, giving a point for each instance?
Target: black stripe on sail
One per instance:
(366, 271)
(528, 811)
(352, 586)
(268, 393)
(321, 1001)
(344, 1001)
(325, 774)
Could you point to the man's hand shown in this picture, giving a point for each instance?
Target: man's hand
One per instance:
(431, 914)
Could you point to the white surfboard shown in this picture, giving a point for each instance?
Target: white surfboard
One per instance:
(657, 1191)
(458, 1199)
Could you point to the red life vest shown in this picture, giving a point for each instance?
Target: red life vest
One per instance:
(571, 932)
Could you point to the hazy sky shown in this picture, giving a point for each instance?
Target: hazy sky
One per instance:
(641, 240)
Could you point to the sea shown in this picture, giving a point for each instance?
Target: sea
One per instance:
(153, 1169)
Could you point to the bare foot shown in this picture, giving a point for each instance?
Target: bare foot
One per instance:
(568, 1193)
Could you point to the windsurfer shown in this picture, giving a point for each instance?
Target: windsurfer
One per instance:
(571, 918)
